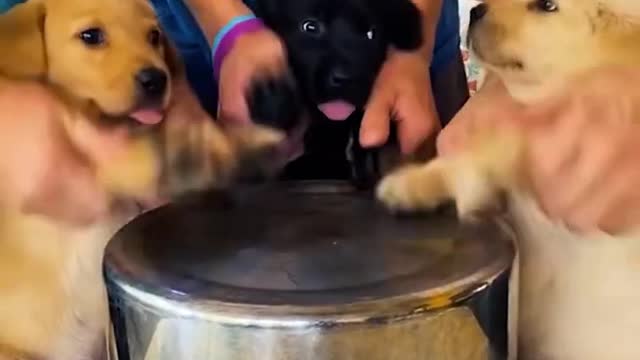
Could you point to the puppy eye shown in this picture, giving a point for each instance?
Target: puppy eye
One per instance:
(154, 38)
(312, 27)
(92, 37)
(371, 34)
(547, 5)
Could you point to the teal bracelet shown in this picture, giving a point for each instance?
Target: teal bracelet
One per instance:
(225, 38)
(225, 29)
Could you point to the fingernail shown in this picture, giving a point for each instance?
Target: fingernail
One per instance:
(370, 139)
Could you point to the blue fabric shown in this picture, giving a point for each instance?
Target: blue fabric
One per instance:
(194, 48)
(183, 29)
(6, 5)
(447, 42)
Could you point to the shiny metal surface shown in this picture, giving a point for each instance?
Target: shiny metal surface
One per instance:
(303, 271)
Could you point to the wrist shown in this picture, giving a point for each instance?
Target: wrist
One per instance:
(415, 60)
(430, 11)
(226, 38)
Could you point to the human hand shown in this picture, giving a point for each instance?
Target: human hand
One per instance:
(583, 150)
(402, 91)
(254, 55)
(41, 173)
(49, 169)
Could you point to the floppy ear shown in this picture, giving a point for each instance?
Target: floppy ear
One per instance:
(22, 43)
(402, 22)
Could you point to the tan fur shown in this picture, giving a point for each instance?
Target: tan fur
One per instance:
(52, 301)
(575, 297)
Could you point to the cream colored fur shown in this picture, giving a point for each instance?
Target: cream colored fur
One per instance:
(574, 296)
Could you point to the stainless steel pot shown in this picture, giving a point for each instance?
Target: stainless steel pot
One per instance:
(305, 271)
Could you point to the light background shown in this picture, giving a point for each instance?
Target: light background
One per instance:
(474, 72)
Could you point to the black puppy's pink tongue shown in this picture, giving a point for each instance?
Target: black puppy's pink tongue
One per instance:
(147, 116)
(337, 110)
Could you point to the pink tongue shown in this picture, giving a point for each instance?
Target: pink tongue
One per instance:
(337, 110)
(147, 117)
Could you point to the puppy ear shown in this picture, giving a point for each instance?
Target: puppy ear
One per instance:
(23, 24)
(402, 22)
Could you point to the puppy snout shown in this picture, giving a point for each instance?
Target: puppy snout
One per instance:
(151, 82)
(338, 77)
(478, 12)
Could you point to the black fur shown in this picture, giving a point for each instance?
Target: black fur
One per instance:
(339, 59)
(275, 102)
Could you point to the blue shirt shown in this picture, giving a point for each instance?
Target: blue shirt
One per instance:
(5, 5)
(447, 42)
(183, 30)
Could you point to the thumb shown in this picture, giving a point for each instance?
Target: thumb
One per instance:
(374, 130)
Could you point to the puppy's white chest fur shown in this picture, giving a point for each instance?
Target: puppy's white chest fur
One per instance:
(88, 312)
(579, 297)
(53, 292)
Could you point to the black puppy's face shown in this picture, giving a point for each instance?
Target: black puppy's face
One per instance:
(336, 47)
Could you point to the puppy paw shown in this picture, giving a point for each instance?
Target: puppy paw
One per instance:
(275, 102)
(254, 138)
(414, 188)
(195, 156)
(477, 194)
(202, 155)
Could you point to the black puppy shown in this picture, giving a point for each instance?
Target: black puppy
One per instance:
(336, 49)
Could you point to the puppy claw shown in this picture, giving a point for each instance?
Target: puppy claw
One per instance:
(413, 188)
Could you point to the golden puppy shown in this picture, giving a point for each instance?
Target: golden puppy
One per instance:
(577, 295)
(110, 64)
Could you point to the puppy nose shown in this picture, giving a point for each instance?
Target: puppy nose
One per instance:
(338, 77)
(478, 12)
(152, 81)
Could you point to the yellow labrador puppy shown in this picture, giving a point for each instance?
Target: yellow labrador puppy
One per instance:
(111, 66)
(578, 295)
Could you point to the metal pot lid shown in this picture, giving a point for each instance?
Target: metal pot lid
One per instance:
(301, 244)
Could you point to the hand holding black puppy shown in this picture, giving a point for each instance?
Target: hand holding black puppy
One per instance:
(335, 55)
(258, 55)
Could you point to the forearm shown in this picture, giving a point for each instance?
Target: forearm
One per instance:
(212, 15)
(430, 10)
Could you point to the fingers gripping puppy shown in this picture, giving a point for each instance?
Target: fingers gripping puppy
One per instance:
(114, 69)
(577, 297)
(109, 63)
